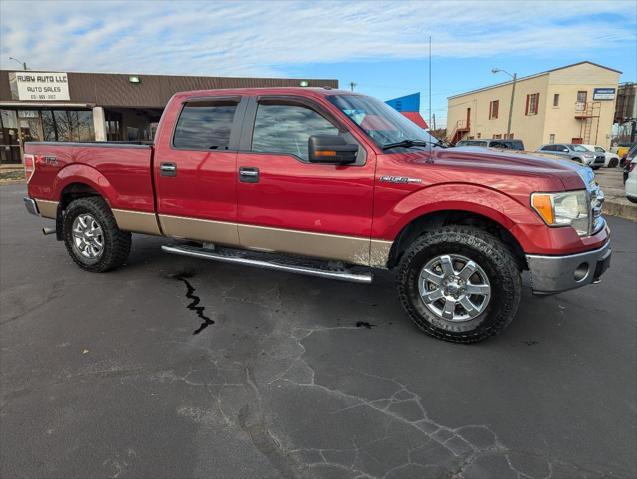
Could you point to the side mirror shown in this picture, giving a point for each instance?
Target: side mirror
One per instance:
(331, 149)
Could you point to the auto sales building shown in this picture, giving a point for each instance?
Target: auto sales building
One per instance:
(571, 104)
(79, 107)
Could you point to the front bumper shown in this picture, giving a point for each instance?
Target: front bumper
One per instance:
(31, 206)
(553, 274)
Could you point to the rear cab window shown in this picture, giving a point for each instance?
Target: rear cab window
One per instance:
(205, 125)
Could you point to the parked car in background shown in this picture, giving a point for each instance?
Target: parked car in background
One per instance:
(611, 160)
(628, 156)
(631, 180)
(574, 152)
(503, 144)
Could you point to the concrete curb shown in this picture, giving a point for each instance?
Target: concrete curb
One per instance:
(621, 207)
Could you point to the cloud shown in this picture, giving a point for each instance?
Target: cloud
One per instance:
(263, 38)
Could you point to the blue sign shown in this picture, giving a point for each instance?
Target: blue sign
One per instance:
(406, 103)
(603, 94)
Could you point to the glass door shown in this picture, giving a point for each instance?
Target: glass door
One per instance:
(10, 149)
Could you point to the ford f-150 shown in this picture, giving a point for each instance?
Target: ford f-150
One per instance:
(332, 184)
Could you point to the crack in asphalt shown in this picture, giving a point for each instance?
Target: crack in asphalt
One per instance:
(193, 305)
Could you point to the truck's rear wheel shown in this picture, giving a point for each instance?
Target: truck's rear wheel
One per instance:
(92, 237)
(459, 284)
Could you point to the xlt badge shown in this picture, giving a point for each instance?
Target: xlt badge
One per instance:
(399, 179)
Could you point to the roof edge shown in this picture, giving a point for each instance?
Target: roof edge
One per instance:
(528, 77)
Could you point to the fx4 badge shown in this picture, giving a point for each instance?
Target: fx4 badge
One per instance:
(399, 179)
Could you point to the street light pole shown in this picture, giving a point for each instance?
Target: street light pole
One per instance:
(24, 64)
(514, 77)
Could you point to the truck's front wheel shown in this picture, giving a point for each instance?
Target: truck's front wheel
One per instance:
(459, 284)
(92, 237)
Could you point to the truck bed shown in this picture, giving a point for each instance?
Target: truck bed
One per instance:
(122, 172)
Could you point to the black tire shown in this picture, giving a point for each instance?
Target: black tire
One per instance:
(613, 162)
(490, 254)
(577, 160)
(116, 243)
(595, 167)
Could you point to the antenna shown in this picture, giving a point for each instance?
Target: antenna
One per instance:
(430, 82)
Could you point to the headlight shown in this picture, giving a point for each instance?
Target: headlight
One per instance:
(563, 209)
(589, 155)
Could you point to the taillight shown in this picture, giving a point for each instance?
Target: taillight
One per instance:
(29, 166)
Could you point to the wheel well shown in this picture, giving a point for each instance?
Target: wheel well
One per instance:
(74, 191)
(431, 221)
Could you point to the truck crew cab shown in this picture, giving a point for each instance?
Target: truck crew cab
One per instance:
(332, 184)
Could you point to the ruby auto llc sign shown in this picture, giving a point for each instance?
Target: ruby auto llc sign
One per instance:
(39, 86)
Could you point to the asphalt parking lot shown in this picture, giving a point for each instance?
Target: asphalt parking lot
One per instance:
(177, 368)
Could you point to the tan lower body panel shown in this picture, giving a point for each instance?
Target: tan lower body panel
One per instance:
(379, 253)
(137, 221)
(345, 248)
(351, 249)
(47, 209)
(200, 230)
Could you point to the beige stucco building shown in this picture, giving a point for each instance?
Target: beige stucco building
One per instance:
(571, 104)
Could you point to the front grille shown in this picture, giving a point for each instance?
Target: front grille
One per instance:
(599, 159)
(596, 200)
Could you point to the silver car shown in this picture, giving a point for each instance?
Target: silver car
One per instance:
(576, 153)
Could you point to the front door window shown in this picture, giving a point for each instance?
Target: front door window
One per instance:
(286, 128)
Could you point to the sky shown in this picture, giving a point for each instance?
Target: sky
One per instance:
(382, 46)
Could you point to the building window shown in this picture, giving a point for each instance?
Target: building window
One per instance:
(203, 125)
(479, 135)
(497, 137)
(556, 99)
(532, 102)
(494, 106)
(580, 104)
(552, 138)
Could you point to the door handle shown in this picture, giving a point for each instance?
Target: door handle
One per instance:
(248, 174)
(167, 169)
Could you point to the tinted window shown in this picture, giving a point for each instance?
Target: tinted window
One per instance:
(549, 148)
(472, 143)
(205, 125)
(578, 148)
(286, 128)
(599, 149)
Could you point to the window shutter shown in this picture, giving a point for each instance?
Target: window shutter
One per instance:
(528, 99)
(537, 103)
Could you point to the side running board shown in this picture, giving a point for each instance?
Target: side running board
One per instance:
(274, 261)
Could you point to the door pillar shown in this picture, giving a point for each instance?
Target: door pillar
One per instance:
(99, 123)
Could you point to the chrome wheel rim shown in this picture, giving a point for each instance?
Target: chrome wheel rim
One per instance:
(454, 288)
(88, 238)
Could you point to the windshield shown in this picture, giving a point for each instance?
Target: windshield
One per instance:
(381, 122)
(579, 148)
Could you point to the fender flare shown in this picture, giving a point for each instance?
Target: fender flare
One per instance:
(83, 174)
(481, 200)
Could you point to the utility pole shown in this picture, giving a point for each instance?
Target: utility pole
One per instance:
(434, 119)
(24, 64)
(514, 77)
(352, 85)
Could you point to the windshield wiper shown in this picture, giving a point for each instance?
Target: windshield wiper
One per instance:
(409, 144)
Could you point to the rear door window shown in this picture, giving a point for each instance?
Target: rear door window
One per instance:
(205, 125)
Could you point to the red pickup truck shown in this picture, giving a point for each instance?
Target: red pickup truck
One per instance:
(332, 184)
